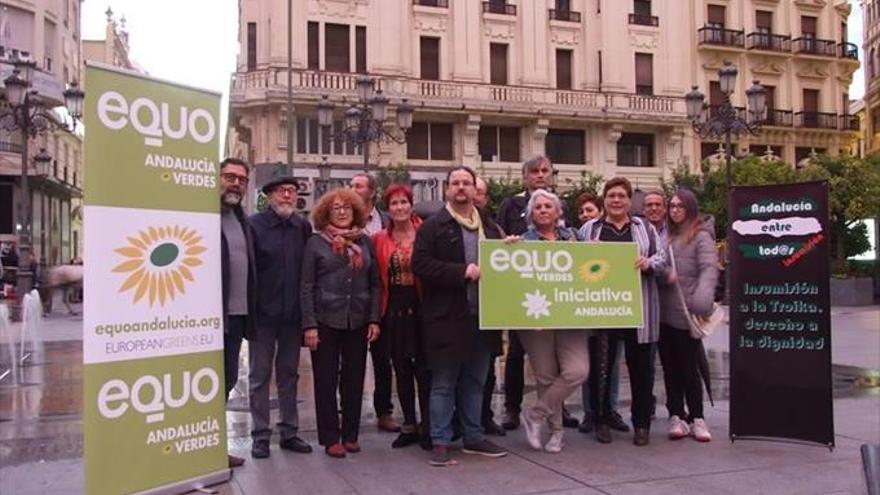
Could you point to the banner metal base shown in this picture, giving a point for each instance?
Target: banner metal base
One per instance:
(198, 484)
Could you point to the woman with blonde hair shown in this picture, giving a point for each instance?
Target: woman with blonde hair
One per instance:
(340, 295)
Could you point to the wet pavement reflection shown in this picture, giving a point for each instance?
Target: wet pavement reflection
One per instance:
(41, 416)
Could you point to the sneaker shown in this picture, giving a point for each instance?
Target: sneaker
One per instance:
(532, 429)
(440, 457)
(616, 422)
(484, 448)
(678, 429)
(511, 420)
(700, 431)
(260, 449)
(554, 445)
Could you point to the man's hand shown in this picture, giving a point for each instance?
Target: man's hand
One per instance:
(512, 239)
(472, 272)
(372, 332)
(311, 339)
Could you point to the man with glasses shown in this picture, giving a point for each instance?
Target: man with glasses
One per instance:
(238, 270)
(280, 237)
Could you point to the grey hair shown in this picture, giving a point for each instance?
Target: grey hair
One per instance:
(534, 162)
(541, 193)
(372, 183)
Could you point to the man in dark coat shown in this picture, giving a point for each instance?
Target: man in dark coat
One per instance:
(280, 237)
(446, 259)
(238, 270)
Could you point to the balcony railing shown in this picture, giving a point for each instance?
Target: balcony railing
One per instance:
(816, 120)
(778, 118)
(814, 46)
(565, 15)
(497, 8)
(769, 42)
(432, 3)
(270, 84)
(715, 110)
(720, 36)
(644, 20)
(849, 122)
(848, 50)
(10, 147)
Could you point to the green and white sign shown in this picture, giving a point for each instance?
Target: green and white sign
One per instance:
(559, 285)
(154, 406)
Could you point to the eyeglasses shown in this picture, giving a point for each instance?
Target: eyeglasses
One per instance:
(676, 206)
(234, 178)
(341, 208)
(286, 190)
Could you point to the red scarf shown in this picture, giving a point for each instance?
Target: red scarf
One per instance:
(344, 242)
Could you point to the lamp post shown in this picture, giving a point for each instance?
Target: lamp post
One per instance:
(25, 113)
(364, 121)
(724, 123)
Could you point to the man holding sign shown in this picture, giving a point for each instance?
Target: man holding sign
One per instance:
(445, 258)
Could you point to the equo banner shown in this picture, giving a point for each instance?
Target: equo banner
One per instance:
(154, 405)
(559, 285)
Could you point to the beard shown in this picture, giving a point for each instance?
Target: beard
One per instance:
(283, 211)
(231, 198)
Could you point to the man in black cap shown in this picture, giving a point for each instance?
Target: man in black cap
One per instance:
(280, 237)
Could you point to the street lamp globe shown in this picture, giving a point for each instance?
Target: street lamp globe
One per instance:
(694, 103)
(757, 99)
(42, 161)
(727, 78)
(352, 118)
(364, 86)
(404, 115)
(379, 106)
(26, 69)
(16, 88)
(73, 100)
(325, 112)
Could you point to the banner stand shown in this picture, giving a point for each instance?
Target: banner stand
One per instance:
(199, 483)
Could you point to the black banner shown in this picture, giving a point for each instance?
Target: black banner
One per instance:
(780, 318)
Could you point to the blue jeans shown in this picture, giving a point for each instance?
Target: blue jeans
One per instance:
(232, 335)
(459, 384)
(615, 379)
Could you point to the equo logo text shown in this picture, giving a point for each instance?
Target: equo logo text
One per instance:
(154, 121)
(150, 395)
(527, 262)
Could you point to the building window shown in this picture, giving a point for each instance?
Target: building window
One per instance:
(429, 53)
(314, 50)
(429, 141)
(635, 150)
(306, 136)
(808, 27)
(764, 22)
(251, 46)
(498, 63)
(336, 48)
(566, 146)
(6, 220)
(563, 69)
(360, 49)
(644, 74)
(715, 16)
(499, 143)
(642, 8)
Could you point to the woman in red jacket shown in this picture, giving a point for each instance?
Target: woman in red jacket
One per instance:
(400, 307)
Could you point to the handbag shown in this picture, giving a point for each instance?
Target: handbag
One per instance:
(700, 327)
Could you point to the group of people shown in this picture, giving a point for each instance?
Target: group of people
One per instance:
(356, 279)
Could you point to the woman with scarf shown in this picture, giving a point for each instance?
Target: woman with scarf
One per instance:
(400, 311)
(340, 295)
(559, 358)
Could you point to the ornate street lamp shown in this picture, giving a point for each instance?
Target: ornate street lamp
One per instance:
(31, 117)
(364, 120)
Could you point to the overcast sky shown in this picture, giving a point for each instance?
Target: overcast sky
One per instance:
(196, 41)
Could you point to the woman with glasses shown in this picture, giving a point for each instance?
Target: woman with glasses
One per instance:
(341, 293)
(695, 275)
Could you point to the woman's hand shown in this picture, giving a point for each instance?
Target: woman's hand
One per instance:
(672, 278)
(372, 332)
(310, 338)
(643, 264)
(512, 239)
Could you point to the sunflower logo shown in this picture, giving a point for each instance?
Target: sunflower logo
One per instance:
(158, 260)
(594, 270)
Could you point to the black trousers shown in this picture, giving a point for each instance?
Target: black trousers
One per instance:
(488, 390)
(641, 376)
(232, 337)
(678, 355)
(351, 347)
(513, 374)
(380, 352)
